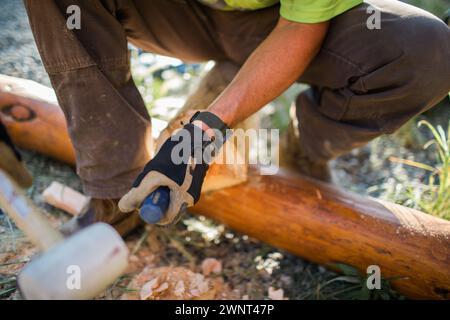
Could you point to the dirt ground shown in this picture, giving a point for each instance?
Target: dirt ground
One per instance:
(249, 267)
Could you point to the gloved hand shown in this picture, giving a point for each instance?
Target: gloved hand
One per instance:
(180, 164)
(11, 161)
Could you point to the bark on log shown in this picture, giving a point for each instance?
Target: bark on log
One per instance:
(326, 225)
(313, 220)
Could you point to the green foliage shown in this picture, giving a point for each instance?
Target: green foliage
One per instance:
(434, 196)
(7, 285)
(434, 6)
(356, 288)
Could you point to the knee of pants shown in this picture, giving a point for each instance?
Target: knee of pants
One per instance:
(426, 43)
(418, 79)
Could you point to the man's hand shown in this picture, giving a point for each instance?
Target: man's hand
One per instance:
(181, 165)
(11, 161)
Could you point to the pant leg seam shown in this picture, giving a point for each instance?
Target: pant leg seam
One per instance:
(68, 65)
(76, 64)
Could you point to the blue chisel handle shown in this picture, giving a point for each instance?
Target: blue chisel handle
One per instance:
(155, 205)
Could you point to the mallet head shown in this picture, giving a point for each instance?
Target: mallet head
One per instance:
(80, 267)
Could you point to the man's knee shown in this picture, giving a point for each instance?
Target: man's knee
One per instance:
(426, 47)
(422, 72)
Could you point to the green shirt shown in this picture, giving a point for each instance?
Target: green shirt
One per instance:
(307, 11)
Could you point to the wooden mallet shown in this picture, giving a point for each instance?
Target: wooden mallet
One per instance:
(79, 267)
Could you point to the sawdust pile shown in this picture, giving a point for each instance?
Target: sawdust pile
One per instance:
(176, 283)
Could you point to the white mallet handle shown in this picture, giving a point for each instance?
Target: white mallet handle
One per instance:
(26, 216)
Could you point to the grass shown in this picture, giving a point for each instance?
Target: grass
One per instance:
(434, 196)
(349, 285)
(357, 288)
(7, 285)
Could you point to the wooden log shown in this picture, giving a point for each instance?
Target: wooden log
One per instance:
(324, 224)
(33, 119)
(313, 220)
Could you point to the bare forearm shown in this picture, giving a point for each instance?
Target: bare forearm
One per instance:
(277, 63)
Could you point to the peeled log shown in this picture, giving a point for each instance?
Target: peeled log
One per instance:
(324, 224)
(33, 119)
(313, 220)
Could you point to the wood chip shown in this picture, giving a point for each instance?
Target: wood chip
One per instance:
(211, 265)
(176, 283)
(65, 198)
(275, 294)
(148, 289)
(179, 288)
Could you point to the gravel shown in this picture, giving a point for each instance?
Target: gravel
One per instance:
(18, 53)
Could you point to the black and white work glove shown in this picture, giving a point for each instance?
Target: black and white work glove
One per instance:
(181, 165)
(11, 161)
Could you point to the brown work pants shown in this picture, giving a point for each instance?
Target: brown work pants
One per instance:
(364, 83)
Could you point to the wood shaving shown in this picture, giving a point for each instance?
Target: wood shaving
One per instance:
(275, 294)
(176, 283)
(211, 265)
